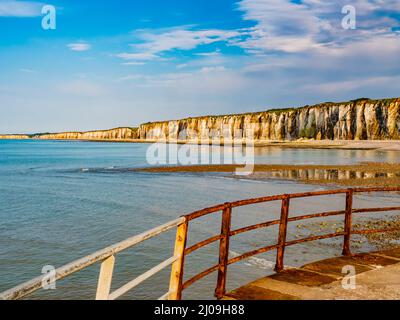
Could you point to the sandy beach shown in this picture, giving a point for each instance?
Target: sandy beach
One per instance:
(388, 145)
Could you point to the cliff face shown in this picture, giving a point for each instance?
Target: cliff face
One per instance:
(361, 119)
(112, 134)
(356, 120)
(14, 136)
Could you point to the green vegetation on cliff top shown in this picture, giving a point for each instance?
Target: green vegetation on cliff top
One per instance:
(80, 132)
(281, 110)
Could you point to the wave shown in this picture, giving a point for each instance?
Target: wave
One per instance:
(256, 262)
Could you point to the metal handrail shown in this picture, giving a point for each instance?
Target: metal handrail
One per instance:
(177, 285)
(106, 256)
(226, 233)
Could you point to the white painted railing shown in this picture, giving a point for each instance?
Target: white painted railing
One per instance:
(107, 258)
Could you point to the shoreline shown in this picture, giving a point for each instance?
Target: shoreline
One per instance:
(384, 145)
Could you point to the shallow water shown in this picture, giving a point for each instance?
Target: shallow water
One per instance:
(61, 200)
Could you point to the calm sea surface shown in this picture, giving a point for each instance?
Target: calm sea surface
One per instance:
(62, 200)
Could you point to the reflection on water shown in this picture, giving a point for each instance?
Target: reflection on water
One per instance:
(324, 174)
(62, 200)
(279, 155)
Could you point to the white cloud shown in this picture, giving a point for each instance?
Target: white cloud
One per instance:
(137, 56)
(280, 26)
(26, 70)
(82, 88)
(153, 43)
(336, 87)
(21, 9)
(217, 80)
(79, 46)
(285, 26)
(182, 66)
(209, 54)
(181, 38)
(132, 77)
(133, 63)
(295, 47)
(212, 69)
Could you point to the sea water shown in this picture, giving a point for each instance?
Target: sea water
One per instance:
(62, 200)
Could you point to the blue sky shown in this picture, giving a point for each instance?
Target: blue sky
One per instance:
(125, 62)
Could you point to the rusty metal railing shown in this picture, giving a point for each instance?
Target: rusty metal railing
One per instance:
(282, 243)
(181, 251)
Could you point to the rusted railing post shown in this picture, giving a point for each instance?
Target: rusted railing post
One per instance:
(348, 222)
(282, 233)
(175, 284)
(223, 251)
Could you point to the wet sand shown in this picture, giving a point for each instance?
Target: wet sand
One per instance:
(379, 241)
(361, 174)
